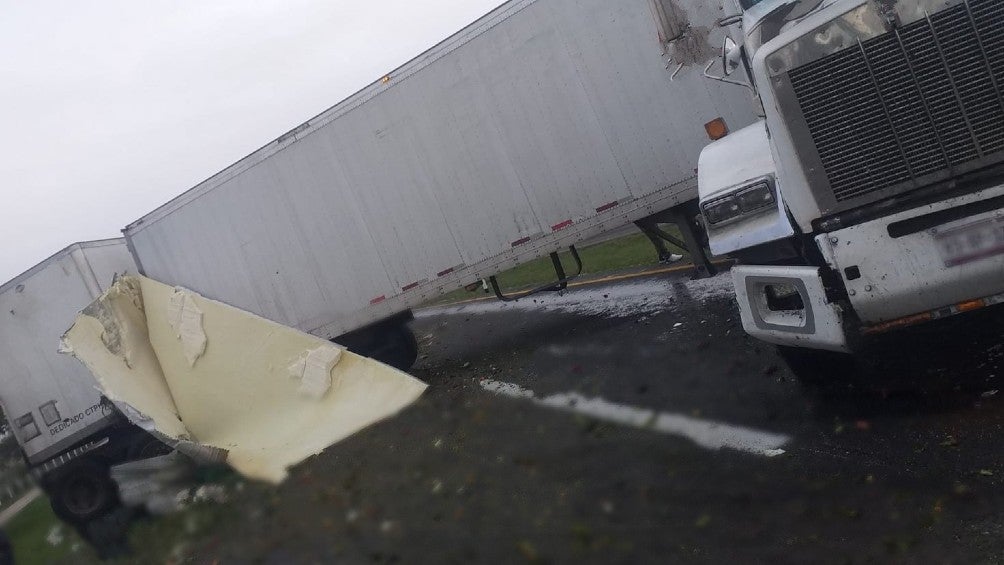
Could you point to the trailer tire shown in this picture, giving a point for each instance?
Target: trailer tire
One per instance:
(83, 492)
(392, 343)
(403, 348)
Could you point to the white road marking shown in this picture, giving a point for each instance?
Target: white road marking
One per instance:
(616, 300)
(707, 434)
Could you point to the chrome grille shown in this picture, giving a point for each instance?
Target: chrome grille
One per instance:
(910, 107)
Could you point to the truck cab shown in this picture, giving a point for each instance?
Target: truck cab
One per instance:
(870, 197)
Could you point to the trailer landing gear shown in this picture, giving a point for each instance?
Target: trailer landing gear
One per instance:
(682, 216)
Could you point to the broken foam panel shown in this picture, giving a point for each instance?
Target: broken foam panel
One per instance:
(221, 384)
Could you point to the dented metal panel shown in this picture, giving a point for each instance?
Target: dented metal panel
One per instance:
(544, 123)
(50, 400)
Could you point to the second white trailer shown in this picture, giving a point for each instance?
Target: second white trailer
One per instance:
(68, 434)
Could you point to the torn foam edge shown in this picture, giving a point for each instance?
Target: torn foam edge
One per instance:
(200, 453)
(313, 369)
(64, 347)
(185, 318)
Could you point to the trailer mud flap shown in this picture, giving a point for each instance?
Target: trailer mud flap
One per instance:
(220, 383)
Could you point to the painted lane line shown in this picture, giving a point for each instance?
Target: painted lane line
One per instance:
(707, 434)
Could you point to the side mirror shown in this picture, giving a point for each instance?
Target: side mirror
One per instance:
(731, 59)
(731, 56)
(730, 20)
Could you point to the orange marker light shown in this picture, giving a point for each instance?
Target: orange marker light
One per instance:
(716, 128)
(971, 305)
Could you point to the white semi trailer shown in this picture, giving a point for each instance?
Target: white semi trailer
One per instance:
(538, 126)
(68, 434)
(871, 196)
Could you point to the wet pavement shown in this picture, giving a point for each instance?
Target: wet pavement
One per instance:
(635, 422)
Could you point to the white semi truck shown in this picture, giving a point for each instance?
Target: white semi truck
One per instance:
(69, 436)
(870, 197)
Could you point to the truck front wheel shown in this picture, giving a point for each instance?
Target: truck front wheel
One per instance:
(826, 371)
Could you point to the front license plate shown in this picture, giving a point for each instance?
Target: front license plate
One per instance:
(966, 244)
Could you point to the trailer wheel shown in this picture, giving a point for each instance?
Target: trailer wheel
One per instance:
(83, 492)
(391, 343)
(402, 349)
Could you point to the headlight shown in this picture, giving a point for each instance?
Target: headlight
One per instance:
(746, 200)
(722, 210)
(756, 197)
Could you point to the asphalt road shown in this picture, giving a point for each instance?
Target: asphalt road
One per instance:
(635, 422)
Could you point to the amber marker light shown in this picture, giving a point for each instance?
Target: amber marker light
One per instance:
(716, 128)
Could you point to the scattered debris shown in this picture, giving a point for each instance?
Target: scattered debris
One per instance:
(55, 536)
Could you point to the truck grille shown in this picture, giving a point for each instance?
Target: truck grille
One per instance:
(910, 107)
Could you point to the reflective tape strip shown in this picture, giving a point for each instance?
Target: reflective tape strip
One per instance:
(561, 226)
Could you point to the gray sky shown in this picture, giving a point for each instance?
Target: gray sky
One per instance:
(111, 108)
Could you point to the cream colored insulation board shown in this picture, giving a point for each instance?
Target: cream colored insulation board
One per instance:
(206, 372)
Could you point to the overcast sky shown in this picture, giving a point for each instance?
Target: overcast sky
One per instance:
(110, 108)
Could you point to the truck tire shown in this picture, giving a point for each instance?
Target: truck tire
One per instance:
(824, 371)
(83, 492)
